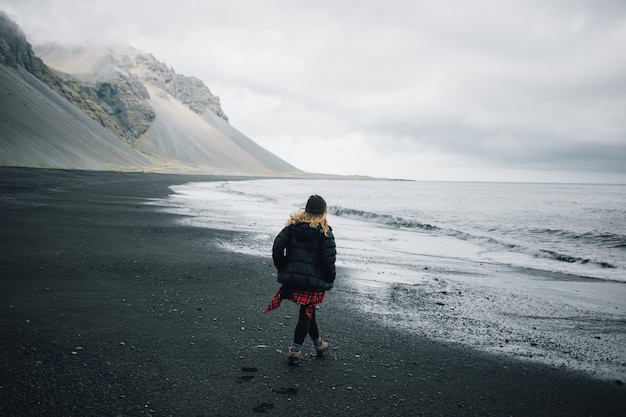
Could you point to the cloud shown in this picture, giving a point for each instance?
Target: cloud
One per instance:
(468, 90)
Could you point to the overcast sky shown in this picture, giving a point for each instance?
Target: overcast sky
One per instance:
(429, 90)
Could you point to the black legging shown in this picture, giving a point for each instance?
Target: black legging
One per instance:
(304, 326)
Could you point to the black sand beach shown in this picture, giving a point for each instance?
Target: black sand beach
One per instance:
(110, 308)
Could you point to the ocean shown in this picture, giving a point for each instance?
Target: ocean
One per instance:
(533, 271)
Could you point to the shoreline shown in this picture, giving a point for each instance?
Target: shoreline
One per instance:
(110, 308)
(559, 324)
(440, 287)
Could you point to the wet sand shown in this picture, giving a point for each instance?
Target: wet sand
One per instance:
(110, 307)
(559, 320)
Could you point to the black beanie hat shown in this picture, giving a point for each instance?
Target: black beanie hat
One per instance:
(315, 205)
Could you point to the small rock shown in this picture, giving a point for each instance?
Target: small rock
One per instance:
(262, 407)
(288, 391)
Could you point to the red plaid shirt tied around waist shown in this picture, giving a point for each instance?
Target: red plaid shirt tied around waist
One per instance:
(311, 299)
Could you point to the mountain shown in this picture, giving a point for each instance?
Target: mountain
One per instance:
(38, 127)
(157, 119)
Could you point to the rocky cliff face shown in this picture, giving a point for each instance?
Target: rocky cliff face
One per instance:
(15, 49)
(127, 100)
(189, 90)
(119, 75)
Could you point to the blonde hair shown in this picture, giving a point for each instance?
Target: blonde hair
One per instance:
(313, 220)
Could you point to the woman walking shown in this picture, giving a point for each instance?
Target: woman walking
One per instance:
(304, 254)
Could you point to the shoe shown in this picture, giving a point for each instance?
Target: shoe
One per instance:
(321, 349)
(294, 358)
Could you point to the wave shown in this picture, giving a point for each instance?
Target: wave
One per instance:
(384, 219)
(610, 240)
(602, 239)
(549, 254)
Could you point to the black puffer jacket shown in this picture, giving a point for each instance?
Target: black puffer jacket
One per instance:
(305, 257)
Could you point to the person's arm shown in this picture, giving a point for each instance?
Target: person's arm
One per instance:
(328, 256)
(279, 249)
